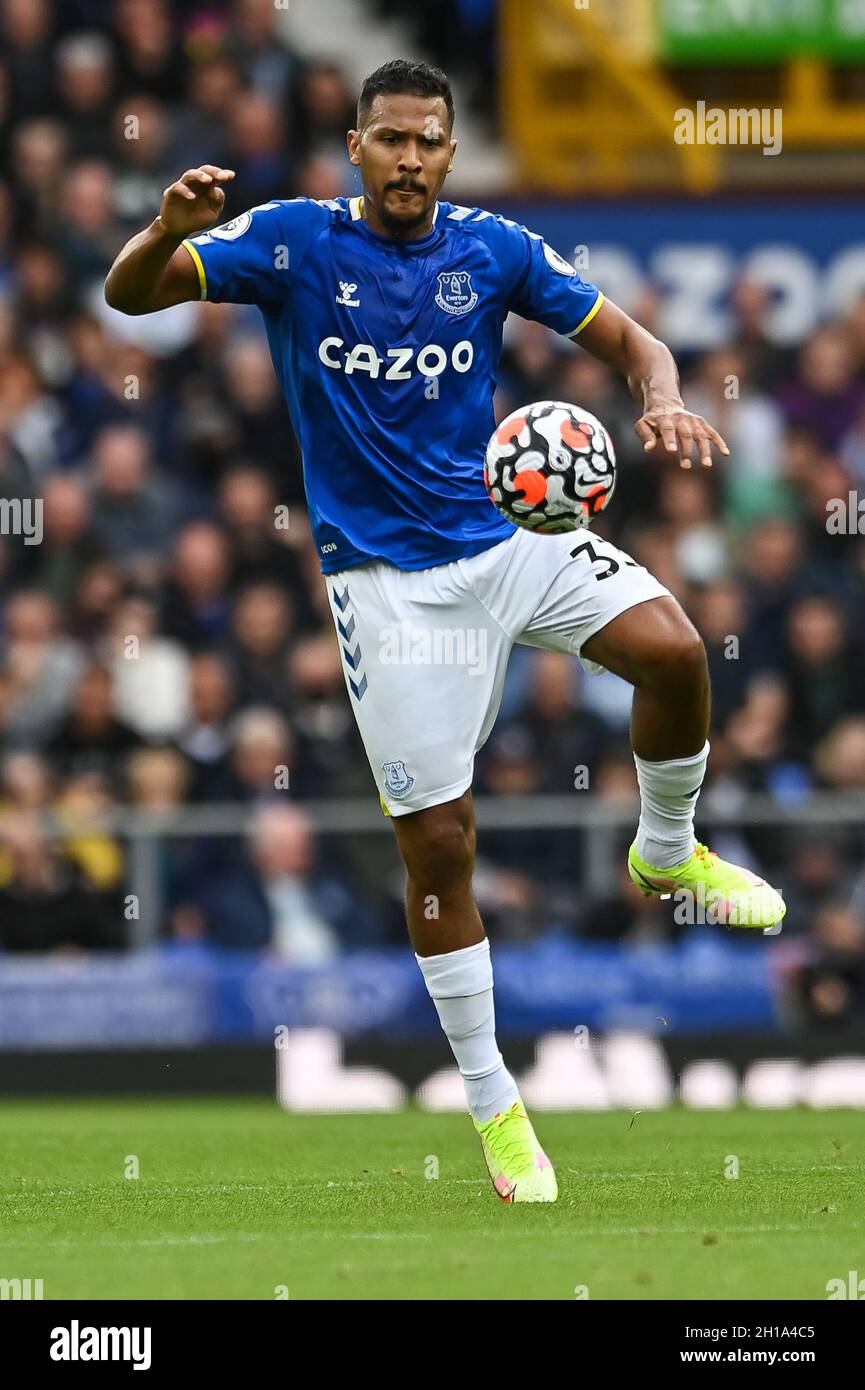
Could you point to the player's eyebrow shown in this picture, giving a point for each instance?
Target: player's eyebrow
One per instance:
(401, 130)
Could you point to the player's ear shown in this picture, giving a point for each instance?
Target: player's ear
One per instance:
(353, 139)
(453, 152)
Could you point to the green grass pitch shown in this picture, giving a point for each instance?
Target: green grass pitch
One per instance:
(236, 1199)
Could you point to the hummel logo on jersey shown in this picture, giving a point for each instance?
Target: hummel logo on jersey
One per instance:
(346, 296)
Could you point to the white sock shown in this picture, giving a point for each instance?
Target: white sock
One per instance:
(668, 797)
(460, 984)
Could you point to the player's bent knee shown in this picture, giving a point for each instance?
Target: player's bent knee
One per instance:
(444, 859)
(679, 660)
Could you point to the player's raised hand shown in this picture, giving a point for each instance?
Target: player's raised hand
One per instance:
(195, 201)
(676, 430)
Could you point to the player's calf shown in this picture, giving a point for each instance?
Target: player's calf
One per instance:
(438, 847)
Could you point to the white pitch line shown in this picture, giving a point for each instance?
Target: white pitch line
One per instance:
(74, 1243)
(617, 1175)
(571, 1232)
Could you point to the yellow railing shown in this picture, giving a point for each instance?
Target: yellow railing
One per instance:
(587, 105)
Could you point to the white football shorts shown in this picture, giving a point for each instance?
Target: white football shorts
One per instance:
(425, 651)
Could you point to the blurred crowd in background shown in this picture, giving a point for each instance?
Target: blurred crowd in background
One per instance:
(168, 642)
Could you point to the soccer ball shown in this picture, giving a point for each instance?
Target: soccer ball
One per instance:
(550, 467)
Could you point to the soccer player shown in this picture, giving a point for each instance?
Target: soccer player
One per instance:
(384, 316)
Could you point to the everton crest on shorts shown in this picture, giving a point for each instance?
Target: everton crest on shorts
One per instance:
(396, 780)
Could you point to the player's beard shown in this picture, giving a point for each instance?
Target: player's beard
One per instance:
(394, 224)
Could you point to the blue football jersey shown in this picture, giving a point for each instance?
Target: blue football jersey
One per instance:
(387, 352)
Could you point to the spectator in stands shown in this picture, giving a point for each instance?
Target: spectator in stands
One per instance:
(750, 421)
(263, 626)
(69, 545)
(215, 85)
(46, 904)
(824, 670)
(158, 779)
(44, 297)
(323, 175)
(258, 529)
(766, 363)
(205, 740)
(251, 392)
(196, 609)
(262, 755)
(852, 451)
(26, 27)
(280, 898)
(100, 588)
(157, 783)
(37, 165)
(39, 668)
(689, 502)
(151, 672)
(824, 396)
(258, 150)
(89, 222)
(755, 732)
(327, 109)
(92, 738)
(141, 135)
(329, 758)
(26, 783)
(819, 859)
(721, 613)
(133, 508)
(831, 987)
(150, 48)
(30, 417)
(83, 799)
(257, 43)
(773, 563)
(839, 758)
(85, 80)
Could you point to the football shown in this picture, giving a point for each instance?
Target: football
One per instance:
(550, 467)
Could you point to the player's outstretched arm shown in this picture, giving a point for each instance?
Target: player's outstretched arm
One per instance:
(654, 383)
(153, 271)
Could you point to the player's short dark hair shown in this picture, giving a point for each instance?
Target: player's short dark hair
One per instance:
(401, 76)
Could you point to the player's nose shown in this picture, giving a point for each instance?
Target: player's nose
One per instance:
(411, 160)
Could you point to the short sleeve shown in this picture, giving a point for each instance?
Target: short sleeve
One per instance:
(249, 259)
(549, 289)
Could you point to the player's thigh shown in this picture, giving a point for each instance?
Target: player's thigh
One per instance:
(591, 583)
(650, 644)
(424, 665)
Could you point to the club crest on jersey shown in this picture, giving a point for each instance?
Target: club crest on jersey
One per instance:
(230, 231)
(557, 262)
(396, 780)
(455, 293)
(345, 295)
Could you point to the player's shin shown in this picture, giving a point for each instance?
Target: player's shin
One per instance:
(460, 984)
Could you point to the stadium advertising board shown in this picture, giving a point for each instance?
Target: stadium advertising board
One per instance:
(692, 255)
(754, 31)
